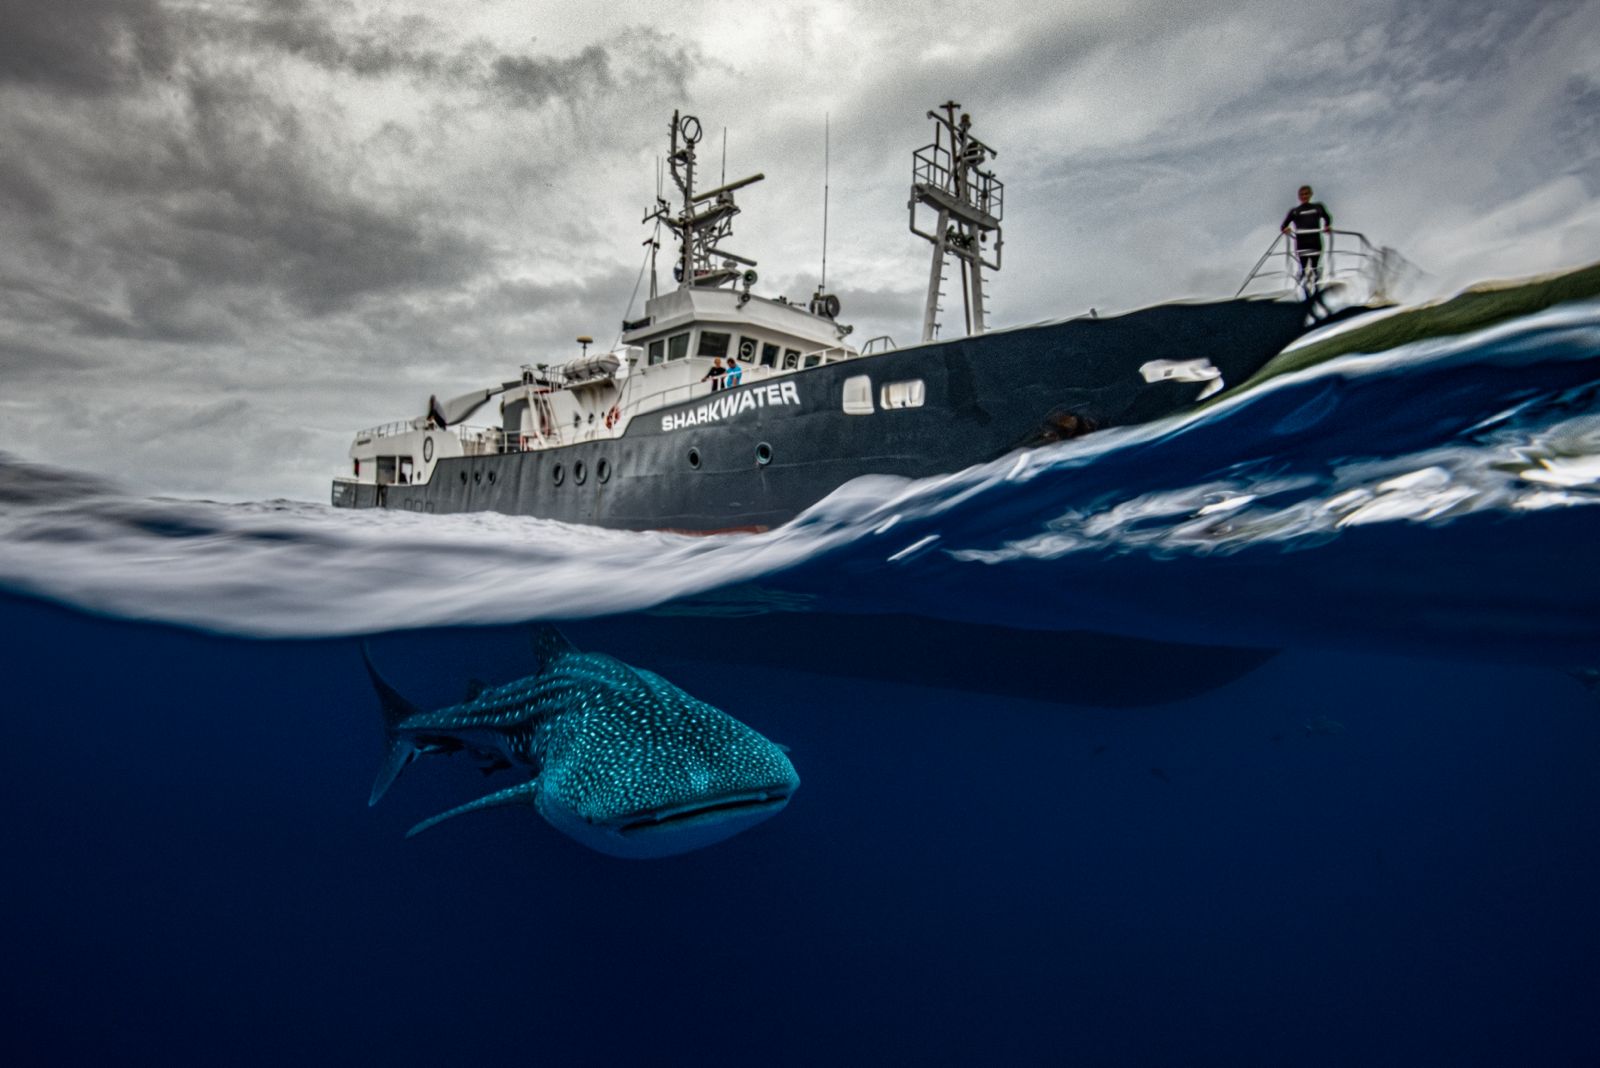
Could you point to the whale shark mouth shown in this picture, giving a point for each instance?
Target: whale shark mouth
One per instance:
(750, 802)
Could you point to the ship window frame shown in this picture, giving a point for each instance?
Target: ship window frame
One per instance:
(906, 393)
(791, 359)
(813, 360)
(770, 351)
(678, 346)
(712, 349)
(754, 344)
(855, 395)
(658, 352)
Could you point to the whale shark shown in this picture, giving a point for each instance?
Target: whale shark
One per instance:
(623, 761)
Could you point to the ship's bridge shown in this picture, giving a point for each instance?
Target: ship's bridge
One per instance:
(685, 330)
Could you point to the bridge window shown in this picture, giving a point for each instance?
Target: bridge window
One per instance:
(747, 349)
(658, 352)
(911, 393)
(858, 395)
(714, 343)
(791, 359)
(678, 346)
(769, 355)
(814, 359)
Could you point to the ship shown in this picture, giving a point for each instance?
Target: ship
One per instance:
(723, 410)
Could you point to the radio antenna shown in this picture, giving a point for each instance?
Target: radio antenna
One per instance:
(827, 136)
(724, 155)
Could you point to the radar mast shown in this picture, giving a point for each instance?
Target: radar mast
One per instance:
(705, 220)
(947, 177)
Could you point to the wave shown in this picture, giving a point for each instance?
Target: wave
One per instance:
(1438, 493)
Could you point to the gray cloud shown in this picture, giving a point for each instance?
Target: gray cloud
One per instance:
(650, 61)
(370, 49)
(85, 46)
(21, 357)
(23, 189)
(377, 47)
(235, 218)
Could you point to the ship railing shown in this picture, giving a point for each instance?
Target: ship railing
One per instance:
(389, 430)
(494, 440)
(1346, 255)
(934, 166)
(663, 398)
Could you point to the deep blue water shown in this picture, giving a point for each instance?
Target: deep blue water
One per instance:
(1256, 738)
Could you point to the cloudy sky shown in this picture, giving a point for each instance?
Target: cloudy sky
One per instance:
(233, 231)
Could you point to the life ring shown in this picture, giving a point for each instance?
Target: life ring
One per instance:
(613, 416)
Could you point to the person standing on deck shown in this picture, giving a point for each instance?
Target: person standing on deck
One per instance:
(1308, 221)
(715, 374)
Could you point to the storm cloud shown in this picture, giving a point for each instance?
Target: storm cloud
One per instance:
(231, 233)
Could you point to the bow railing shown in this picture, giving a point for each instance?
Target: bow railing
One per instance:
(1345, 254)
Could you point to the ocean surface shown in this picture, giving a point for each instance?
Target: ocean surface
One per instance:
(1266, 736)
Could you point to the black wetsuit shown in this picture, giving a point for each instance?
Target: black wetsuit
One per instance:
(1308, 219)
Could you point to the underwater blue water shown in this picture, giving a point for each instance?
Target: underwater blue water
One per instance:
(1266, 736)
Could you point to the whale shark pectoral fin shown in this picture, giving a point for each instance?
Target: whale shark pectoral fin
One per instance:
(521, 794)
(400, 753)
(550, 645)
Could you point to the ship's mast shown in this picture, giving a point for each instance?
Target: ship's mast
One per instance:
(969, 202)
(705, 219)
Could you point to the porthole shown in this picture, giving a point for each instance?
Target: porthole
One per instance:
(558, 474)
(463, 478)
(602, 470)
(427, 448)
(580, 473)
(763, 453)
(491, 477)
(694, 459)
(477, 477)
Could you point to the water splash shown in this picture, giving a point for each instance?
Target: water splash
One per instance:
(1427, 441)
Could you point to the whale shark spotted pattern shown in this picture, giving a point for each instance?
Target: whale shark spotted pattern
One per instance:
(624, 761)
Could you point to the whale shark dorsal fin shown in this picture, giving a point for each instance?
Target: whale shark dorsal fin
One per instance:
(398, 750)
(475, 687)
(550, 645)
(396, 709)
(521, 794)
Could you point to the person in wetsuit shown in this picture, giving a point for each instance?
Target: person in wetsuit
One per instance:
(1308, 220)
(715, 374)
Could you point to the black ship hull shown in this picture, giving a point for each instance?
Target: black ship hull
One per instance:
(754, 457)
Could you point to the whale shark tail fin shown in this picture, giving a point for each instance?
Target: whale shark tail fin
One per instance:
(550, 644)
(521, 794)
(399, 750)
